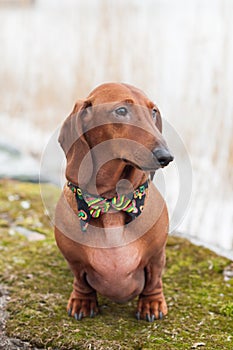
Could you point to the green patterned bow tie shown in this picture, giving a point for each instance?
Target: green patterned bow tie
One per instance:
(90, 206)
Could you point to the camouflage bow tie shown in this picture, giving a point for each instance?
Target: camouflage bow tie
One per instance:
(90, 206)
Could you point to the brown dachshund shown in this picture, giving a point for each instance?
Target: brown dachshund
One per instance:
(111, 222)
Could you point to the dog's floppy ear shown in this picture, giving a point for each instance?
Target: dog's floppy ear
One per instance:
(75, 146)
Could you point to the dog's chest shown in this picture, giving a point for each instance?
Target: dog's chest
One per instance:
(116, 262)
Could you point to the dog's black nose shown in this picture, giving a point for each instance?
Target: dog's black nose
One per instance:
(163, 156)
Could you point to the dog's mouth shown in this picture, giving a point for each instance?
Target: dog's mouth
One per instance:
(160, 158)
(140, 167)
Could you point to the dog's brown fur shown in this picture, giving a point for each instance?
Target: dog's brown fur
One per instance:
(119, 261)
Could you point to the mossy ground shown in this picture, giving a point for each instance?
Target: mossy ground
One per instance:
(200, 301)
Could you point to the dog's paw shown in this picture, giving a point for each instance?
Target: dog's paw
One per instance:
(79, 307)
(151, 308)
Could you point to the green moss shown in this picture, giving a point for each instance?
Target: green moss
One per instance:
(39, 281)
(227, 309)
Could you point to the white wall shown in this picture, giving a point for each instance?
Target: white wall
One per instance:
(179, 52)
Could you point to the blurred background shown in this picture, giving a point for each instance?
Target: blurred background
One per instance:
(179, 52)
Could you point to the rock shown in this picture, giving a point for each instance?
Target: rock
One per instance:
(228, 272)
(29, 234)
(197, 345)
(16, 165)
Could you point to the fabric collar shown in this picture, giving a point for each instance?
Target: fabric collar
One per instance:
(91, 206)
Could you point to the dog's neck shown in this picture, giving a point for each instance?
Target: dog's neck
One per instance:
(115, 177)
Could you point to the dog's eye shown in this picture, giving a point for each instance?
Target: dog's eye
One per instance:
(154, 114)
(122, 111)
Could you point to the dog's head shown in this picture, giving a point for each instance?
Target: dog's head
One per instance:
(122, 118)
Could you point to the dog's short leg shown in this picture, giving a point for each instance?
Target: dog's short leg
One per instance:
(151, 303)
(83, 299)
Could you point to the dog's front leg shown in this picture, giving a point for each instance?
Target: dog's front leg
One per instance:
(151, 303)
(83, 299)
